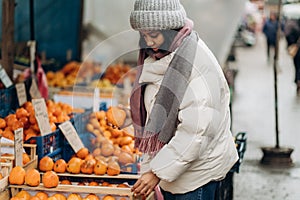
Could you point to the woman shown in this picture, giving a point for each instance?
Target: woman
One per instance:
(292, 35)
(179, 106)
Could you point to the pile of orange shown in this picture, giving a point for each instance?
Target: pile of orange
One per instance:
(24, 117)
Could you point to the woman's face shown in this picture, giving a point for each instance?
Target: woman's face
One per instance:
(153, 39)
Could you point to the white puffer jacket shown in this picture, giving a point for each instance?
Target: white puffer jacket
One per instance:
(202, 149)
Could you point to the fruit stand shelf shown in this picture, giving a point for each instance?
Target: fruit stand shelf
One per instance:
(120, 176)
(82, 189)
(78, 189)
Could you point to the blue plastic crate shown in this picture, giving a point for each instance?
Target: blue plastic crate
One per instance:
(47, 144)
(8, 100)
(80, 121)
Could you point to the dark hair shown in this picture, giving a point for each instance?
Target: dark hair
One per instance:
(169, 36)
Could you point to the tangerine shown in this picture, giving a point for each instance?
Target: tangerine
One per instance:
(60, 197)
(82, 153)
(100, 167)
(46, 164)
(113, 168)
(42, 195)
(73, 165)
(74, 197)
(50, 179)
(60, 166)
(17, 176)
(24, 195)
(65, 182)
(32, 177)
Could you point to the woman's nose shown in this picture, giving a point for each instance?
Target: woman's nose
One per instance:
(149, 42)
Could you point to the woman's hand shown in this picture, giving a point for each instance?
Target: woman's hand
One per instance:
(145, 184)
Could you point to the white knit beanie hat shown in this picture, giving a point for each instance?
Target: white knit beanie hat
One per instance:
(157, 15)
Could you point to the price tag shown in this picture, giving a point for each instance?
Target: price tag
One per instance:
(71, 134)
(19, 147)
(96, 100)
(5, 78)
(41, 116)
(21, 92)
(34, 90)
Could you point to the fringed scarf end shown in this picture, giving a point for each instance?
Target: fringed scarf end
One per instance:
(150, 145)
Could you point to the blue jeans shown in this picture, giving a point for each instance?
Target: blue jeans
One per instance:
(206, 192)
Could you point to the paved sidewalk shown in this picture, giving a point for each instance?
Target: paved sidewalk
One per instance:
(253, 111)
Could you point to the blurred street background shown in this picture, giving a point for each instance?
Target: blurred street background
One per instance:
(254, 113)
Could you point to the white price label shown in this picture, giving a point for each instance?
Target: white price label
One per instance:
(21, 92)
(5, 78)
(71, 135)
(19, 146)
(41, 116)
(34, 90)
(96, 100)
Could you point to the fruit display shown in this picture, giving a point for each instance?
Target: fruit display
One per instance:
(112, 143)
(116, 73)
(72, 73)
(24, 117)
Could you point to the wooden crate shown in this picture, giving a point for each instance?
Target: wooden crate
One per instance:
(33, 157)
(4, 195)
(5, 168)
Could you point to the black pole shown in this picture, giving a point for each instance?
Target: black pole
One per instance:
(275, 73)
(31, 19)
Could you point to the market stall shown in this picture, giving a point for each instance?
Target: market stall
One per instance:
(65, 144)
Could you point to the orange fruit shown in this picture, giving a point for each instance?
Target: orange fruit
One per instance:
(7, 133)
(26, 158)
(16, 125)
(87, 167)
(17, 176)
(92, 197)
(100, 167)
(50, 179)
(73, 165)
(113, 168)
(93, 183)
(108, 197)
(21, 112)
(88, 157)
(115, 116)
(46, 164)
(24, 195)
(52, 198)
(82, 153)
(97, 151)
(2, 123)
(65, 182)
(34, 198)
(125, 158)
(42, 195)
(32, 177)
(15, 198)
(11, 119)
(74, 197)
(60, 197)
(107, 149)
(123, 185)
(60, 166)
(105, 184)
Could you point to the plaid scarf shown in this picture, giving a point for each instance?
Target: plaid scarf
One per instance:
(150, 137)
